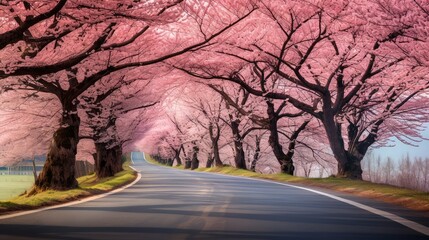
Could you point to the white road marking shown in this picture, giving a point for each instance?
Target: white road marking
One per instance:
(408, 223)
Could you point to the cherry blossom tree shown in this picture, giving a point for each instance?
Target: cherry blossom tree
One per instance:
(19, 16)
(358, 68)
(240, 125)
(103, 107)
(26, 124)
(165, 151)
(193, 133)
(339, 63)
(275, 111)
(39, 36)
(119, 36)
(212, 114)
(205, 112)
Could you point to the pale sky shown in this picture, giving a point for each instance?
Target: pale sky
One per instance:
(400, 150)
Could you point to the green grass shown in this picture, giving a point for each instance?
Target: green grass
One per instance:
(14, 185)
(88, 185)
(151, 160)
(408, 198)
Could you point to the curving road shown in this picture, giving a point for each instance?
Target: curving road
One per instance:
(173, 204)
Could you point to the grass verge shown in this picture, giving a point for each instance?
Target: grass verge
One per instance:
(88, 186)
(407, 198)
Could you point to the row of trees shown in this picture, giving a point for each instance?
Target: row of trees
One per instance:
(307, 75)
(279, 79)
(85, 64)
(215, 126)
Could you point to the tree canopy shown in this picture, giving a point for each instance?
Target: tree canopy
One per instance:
(260, 85)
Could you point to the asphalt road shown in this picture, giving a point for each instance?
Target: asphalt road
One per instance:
(174, 204)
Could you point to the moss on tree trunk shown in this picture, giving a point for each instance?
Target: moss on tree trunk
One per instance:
(108, 161)
(59, 170)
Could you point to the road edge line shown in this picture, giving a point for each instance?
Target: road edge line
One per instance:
(393, 217)
(84, 200)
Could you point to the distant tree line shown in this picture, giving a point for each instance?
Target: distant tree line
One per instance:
(404, 172)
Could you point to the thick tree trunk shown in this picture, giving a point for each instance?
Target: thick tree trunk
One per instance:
(336, 143)
(348, 162)
(216, 155)
(188, 163)
(355, 152)
(239, 158)
(352, 168)
(195, 163)
(187, 158)
(59, 170)
(108, 161)
(286, 162)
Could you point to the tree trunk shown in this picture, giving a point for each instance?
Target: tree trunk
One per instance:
(355, 152)
(256, 155)
(108, 161)
(215, 144)
(177, 156)
(170, 162)
(195, 163)
(34, 168)
(336, 143)
(286, 162)
(187, 163)
(352, 168)
(187, 158)
(210, 160)
(239, 158)
(59, 170)
(216, 155)
(348, 162)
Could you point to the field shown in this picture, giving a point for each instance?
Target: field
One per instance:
(13, 185)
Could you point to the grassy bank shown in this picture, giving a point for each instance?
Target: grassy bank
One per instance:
(410, 199)
(88, 186)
